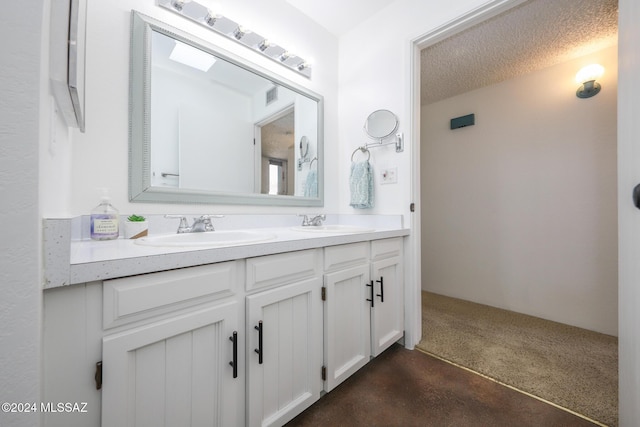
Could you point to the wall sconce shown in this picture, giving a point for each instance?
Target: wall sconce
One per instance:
(199, 13)
(587, 78)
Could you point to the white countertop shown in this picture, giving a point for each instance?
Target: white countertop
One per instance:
(69, 261)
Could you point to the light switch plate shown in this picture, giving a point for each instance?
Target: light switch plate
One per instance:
(389, 176)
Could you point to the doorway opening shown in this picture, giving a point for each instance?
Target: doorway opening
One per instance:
(277, 176)
(275, 153)
(500, 223)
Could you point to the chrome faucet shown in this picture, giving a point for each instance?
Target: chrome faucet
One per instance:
(316, 221)
(200, 225)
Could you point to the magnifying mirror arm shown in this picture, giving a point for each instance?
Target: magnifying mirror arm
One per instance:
(302, 161)
(398, 141)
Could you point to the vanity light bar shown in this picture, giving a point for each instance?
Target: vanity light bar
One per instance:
(200, 14)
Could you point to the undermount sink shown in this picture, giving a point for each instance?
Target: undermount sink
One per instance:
(333, 228)
(206, 239)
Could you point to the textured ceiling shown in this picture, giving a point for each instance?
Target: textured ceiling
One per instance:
(534, 35)
(277, 137)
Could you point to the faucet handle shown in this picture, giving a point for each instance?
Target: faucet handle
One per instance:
(203, 223)
(211, 216)
(317, 220)
(184, 225)
(305, 219)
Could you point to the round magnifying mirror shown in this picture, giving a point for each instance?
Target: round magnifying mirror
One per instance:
(381, 124)
(304, 146)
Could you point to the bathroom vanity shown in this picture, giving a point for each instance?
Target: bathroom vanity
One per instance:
(248, 334)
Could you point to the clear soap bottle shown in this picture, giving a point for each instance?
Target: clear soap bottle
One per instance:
(104, 220)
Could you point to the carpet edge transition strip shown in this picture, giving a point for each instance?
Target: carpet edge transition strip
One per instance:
(584, 417)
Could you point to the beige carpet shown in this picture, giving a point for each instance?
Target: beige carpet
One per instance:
(571, 367)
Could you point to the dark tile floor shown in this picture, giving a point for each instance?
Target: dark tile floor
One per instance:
(409, 388)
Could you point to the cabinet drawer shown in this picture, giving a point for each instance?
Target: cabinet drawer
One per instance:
(132, 299)
(386, 248)
(343, 256)
(280, 269)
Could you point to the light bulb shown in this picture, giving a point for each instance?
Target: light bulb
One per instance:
(589, 73)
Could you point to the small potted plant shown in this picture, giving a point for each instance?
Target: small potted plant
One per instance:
(135, 226)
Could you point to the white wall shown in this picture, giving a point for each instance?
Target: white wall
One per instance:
(107, 81)
(374, 74)
(20, 268)
(520, 210)
(188, 124)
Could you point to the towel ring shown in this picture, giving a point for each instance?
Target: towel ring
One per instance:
(315, 159)
(363, 149)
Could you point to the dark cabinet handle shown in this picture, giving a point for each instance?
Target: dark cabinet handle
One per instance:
(98, 375)
(259, 349)
(372, 292)
(636, 196)
(381, 294)
(234, 362)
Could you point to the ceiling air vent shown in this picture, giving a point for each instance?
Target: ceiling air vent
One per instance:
(272, 95)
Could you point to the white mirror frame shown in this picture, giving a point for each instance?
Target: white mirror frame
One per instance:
(140, 189)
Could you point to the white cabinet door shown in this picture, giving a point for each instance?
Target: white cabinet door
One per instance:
(346, 323)
(284, 324)
(387, 312)
(174, 372)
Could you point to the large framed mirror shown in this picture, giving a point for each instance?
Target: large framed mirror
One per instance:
(207, 126)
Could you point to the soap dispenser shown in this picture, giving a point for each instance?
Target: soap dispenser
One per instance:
(104, 219)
